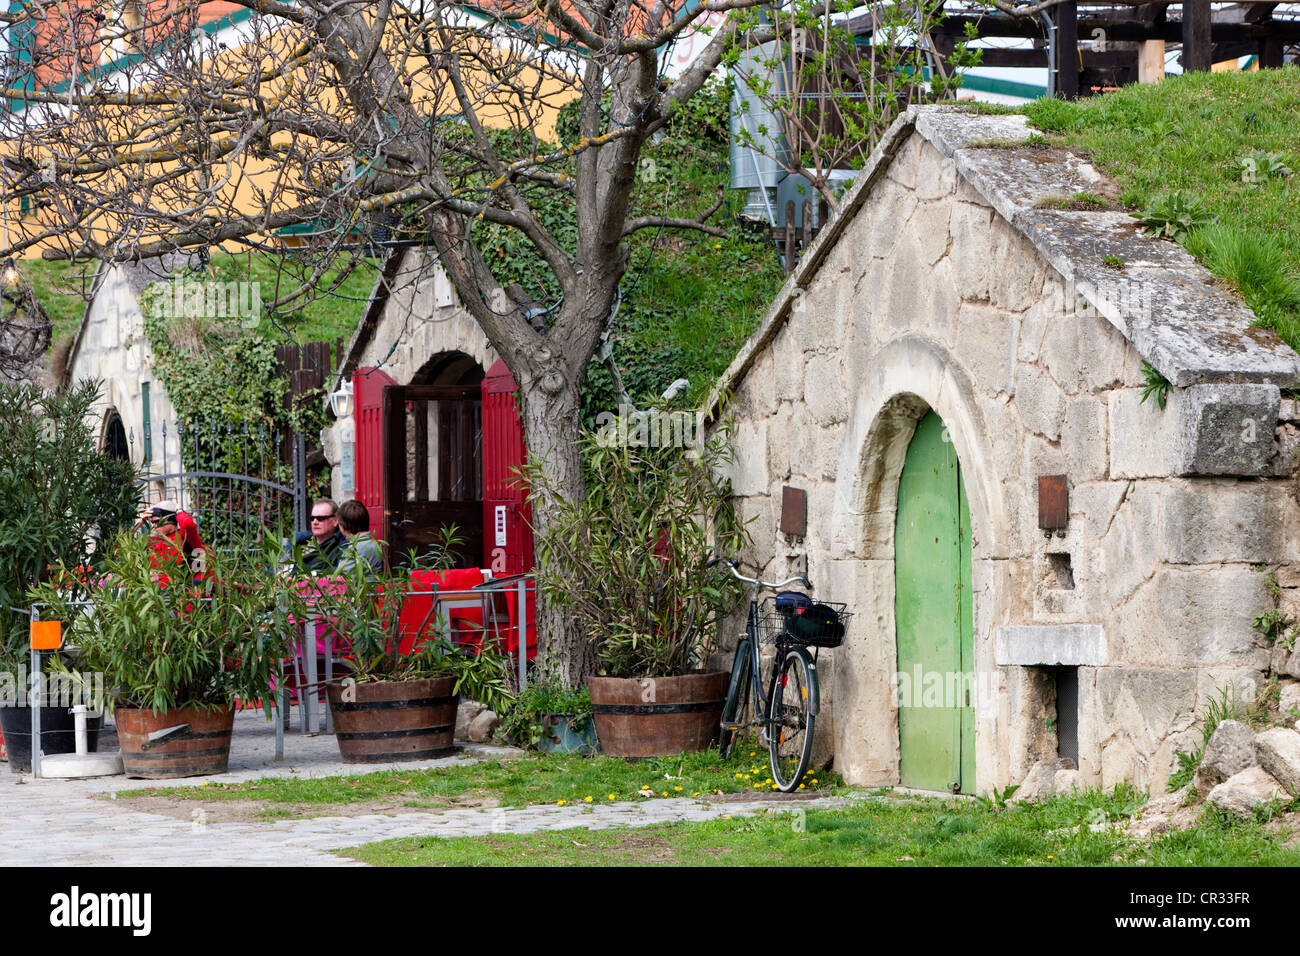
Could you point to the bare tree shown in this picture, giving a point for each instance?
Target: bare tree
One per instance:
(374, 120)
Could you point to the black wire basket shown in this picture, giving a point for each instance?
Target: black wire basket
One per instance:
(820, 624)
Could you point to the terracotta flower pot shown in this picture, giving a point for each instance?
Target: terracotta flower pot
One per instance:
(396, 720)
(655, 716)
(202, 748)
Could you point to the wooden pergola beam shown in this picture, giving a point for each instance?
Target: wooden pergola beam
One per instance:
(1198, 52)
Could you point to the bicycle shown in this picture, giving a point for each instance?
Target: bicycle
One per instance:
(787, 712)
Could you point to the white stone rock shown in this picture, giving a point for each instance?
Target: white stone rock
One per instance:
(1278, 751)
(1231, 750)
(1067, 781)
(465, 714)
(1289, 696)
(1017, 276)
(1243, 792)
(482, 727)
(984, 341)
(1040, 783)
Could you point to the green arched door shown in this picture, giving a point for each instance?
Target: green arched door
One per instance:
(936, 636)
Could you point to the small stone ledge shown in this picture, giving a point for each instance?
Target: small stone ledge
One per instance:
(1049, 645)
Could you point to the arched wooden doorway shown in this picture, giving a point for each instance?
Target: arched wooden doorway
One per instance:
(933, 605)
(115, 443)
(444, 450)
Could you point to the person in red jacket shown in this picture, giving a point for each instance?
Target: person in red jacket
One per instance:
(175, 539)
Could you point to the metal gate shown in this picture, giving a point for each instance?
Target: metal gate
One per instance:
(234, 480)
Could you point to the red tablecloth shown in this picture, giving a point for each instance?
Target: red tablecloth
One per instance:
(418, 620)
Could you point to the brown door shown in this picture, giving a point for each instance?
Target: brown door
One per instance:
(433, 469)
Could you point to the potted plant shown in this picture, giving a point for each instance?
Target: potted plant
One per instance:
(178, 649)
(629, 563)
(551, 718)
(59, 499)
(398, 701)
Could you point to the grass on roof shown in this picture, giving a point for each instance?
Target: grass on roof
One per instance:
(1222, 149)
(62, 288)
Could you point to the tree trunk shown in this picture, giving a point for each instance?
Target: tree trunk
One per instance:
(551, 425)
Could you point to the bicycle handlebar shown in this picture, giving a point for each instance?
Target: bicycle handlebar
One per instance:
(733, 564)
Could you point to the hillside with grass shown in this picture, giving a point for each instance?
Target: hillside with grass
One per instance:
(1209, 160)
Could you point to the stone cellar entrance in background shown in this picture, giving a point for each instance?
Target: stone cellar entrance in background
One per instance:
(934, 625)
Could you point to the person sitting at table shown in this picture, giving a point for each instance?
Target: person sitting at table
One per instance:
(362, 549)
(173, 537)
(317, 551)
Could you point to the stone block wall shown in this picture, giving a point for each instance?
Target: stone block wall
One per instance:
(111, 347)
(931, 299)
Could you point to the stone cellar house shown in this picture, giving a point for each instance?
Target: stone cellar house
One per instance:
(941, 418)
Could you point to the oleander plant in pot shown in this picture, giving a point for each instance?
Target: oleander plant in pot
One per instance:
(405, 675)
(60, 498)
(178, 644)
(628, 561)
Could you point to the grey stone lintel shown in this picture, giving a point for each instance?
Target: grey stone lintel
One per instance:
(1049, 645)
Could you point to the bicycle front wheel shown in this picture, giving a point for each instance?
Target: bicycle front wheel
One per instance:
(737, 689)
(790, 732)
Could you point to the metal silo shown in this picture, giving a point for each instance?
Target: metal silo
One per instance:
(759, 168)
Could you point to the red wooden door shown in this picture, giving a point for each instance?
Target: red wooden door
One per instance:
(507, 522)
(368, 397)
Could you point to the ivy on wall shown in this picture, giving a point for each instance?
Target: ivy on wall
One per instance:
(219, 365)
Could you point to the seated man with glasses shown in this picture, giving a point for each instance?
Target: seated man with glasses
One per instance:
(317, 551)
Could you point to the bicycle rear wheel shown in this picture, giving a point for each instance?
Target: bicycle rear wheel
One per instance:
(790, 732)
(737, 691)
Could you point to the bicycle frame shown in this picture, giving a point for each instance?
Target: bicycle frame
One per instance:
(761, 701)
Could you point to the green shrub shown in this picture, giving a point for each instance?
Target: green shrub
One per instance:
(59, 497)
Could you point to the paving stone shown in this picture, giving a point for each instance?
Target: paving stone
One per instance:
(47, 822)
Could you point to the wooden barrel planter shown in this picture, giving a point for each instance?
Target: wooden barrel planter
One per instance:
(387, 721)
(199, 742)
(653, 717)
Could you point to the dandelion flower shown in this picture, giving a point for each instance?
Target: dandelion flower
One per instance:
(560, 803)
(586, 799)
(677, 789)
(611, 796)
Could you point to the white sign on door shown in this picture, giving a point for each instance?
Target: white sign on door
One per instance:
(501, 526)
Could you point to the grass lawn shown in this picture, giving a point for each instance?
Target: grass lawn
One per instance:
(532, 779)
(1080, 830)
(1218, 149)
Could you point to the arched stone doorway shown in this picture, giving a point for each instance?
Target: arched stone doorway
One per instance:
(913, 377)
(115, 445)
(933, 616)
